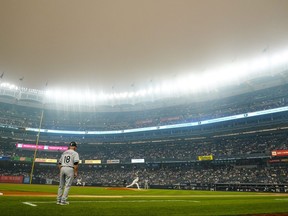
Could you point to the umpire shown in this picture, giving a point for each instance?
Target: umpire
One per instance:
(68, 166)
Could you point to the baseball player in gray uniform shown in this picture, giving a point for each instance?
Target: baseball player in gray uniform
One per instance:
(68, 165)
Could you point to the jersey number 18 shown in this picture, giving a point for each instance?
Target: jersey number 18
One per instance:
(67, 159)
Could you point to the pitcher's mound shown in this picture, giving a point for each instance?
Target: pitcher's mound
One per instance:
(118, 188)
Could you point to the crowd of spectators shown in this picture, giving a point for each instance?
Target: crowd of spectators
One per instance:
(184, 175)
(231, 146)
(117, 176)
(105, 174)
(20, 116)
(169, 150)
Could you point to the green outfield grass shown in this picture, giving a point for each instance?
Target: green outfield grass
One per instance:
(108, 201)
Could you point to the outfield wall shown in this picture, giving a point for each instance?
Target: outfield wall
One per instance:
(11, 179)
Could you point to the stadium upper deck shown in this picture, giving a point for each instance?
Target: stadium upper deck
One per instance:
(37, 98)
(198, 118)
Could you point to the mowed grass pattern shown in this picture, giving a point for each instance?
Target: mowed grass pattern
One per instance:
(106, 201)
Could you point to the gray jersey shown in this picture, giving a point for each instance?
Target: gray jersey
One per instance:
(68, 158)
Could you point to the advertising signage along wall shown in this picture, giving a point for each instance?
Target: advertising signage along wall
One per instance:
(11, 179)
(45, 160)
(280, 153)
(27, 159)
(138, 160)
(5, 157)
(41, 147)
(205, 157)
(92, 161)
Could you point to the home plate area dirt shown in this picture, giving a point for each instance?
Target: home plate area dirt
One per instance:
(25, 193)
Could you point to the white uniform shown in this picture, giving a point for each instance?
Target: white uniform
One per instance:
(146, 185)
(135, 182)
(79, 182)
(67, 161)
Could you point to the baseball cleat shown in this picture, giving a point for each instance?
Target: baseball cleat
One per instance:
(64, 203)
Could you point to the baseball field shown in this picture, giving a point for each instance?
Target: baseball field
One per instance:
(40, 200)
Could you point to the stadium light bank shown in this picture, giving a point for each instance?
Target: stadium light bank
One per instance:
(230, 74)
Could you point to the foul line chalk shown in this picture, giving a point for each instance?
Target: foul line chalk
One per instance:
(114, 201)
(30, 204)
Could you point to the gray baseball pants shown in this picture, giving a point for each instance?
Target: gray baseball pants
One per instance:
(66, 179)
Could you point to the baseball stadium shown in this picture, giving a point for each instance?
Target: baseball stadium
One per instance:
(207, 143)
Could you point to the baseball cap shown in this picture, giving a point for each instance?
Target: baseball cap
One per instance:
(73, 144)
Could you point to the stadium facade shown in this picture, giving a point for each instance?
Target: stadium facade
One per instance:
(232, 138)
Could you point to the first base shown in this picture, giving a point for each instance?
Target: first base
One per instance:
(1, 194)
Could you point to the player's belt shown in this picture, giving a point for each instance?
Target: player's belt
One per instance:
(67, 166)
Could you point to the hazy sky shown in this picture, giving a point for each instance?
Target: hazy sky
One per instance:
(126, 44)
